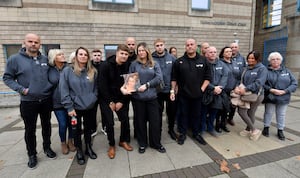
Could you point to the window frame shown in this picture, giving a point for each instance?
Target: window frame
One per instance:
(112, 5)
(11, 3)
(109, 50)
(113, 1)
(267, 17)
(5, 48)
(44, 49)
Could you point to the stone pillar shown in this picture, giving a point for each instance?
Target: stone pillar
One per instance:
(293, 45)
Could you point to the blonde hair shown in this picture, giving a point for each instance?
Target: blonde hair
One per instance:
(91, 70)
(150, 62)
(52, 55)
(71, 58)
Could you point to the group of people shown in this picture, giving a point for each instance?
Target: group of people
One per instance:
(195, 89)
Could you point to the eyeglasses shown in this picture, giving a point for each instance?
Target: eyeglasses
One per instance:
(130, 44)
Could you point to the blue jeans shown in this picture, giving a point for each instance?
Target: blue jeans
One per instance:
(190, 109)
(280, 110)
(63, 124)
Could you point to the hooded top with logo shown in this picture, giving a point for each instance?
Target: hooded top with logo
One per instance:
(23, 71)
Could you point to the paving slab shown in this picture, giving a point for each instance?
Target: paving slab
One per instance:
(268, 170)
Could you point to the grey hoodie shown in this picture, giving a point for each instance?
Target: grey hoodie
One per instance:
(165, 62)
(152, 75)
(77, 92)
(23, 71)
(255, 78)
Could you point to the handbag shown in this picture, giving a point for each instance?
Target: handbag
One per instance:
(249, 96)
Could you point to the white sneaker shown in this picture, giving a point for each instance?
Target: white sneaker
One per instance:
(244, 133)
(255, 134)
(103, 131)
(94, 133)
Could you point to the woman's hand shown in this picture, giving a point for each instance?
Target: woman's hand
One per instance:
(119, 105)
(142, 88)
(72, 113)
(112, 106)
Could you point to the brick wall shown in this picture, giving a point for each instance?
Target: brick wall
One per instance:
(71, 23)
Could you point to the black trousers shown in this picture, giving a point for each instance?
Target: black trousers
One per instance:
(147, 111)
(122, 114)
(171, 107)
(85, 116)
(29, 112)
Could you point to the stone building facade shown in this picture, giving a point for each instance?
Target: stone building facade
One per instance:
(284, 37)
(73, 23)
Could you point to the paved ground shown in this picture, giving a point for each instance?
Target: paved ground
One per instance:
(267, 157)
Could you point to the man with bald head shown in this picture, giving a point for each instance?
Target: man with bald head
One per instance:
(191, 75)
(27, 73)
(131, 43)
(204, 46)
(236, 56)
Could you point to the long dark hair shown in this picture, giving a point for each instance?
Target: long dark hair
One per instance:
(221, 54)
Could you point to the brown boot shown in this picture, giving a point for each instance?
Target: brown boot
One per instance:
(71, 145)
(64, 148)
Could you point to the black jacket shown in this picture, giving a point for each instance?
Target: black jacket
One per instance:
(110, 80)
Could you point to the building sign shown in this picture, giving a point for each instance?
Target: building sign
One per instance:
(223, 23)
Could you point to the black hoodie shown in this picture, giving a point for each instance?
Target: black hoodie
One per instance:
(110, 80)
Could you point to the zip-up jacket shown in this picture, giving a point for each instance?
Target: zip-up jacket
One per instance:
(255, 78)
(110, 80)
(77, 92)
(152, 75)
(219, 73)
(240, 60)
(189, 74)
(23, 71)
(54, 76)
(165, 62)
(234, 75)
(281, 79)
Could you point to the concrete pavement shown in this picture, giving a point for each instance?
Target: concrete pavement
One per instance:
(267, 157)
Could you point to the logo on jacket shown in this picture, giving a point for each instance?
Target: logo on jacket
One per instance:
(199, 65)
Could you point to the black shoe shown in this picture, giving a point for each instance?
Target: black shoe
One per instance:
(225, 129)
(280, 135)
(265, 132)
(32, 163)
(200, 139)
(161, 149)
(181, 139)
(142, 149)
(89, 151)
(172, 134)
(231, 122)
(80, 157)
(50, 153)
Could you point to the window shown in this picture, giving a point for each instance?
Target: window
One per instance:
(10, 49)
(109, 50)
(114, 5)
(200, 4)
(272, 13)
(116, 1)
(298, 6)
(47, 47)
(11, 3)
